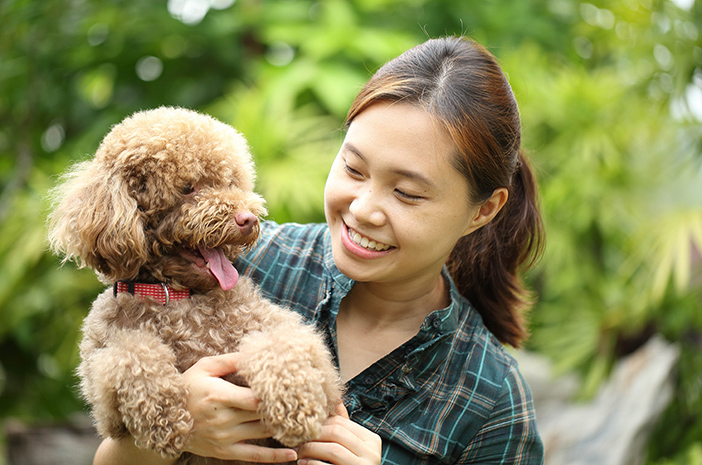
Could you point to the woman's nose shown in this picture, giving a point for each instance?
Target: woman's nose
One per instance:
(366, 209)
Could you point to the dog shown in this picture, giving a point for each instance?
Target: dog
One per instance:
(160, 213)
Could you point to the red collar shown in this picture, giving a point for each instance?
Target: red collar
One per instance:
(161, 293)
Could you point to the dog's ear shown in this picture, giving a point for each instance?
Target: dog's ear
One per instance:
(95, 222)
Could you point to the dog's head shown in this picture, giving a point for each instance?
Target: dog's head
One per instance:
(168, 197)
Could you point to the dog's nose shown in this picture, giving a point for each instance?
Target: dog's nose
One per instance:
(246, 221)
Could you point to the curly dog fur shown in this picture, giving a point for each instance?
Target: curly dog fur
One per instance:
(168, 191)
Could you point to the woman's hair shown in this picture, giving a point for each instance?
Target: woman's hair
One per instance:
(461, 85)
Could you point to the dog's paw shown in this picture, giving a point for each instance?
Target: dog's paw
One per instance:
(294, 421)
(159, 421)
(294, 389)
(149, 393)
(165, 434)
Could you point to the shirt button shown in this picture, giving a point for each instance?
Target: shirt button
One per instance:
(368, 380)
(436, 322)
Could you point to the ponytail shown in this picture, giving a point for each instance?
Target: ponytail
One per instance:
(486, 265)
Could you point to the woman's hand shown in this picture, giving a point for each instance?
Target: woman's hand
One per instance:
(343, 442)
(224, 415)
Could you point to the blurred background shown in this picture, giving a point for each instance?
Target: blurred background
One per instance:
(610, 93)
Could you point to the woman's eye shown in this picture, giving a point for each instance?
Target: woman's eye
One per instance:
(405, 196)
(188, 189)
(351, 171)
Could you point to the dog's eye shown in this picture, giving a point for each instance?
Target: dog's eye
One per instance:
(188, 189)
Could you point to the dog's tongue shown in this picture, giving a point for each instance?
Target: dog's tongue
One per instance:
(221, 267)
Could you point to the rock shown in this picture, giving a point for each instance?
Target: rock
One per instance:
(74, 443)
(612, 428)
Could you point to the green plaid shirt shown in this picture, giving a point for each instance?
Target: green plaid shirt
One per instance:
(450, 395)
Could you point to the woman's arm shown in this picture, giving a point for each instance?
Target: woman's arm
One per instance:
(124, 452)
(224, 417)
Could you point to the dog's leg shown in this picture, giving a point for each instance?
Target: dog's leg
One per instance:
(139, 379)
(97, 378)
(290, 370)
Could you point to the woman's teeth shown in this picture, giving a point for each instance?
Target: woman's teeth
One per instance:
(367, 243)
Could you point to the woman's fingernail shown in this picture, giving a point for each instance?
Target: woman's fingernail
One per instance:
(302, 462)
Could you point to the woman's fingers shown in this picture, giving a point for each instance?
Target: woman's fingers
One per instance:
(225, 415)
(317, 453)
(206, 384)
(219, 365)
(342, 442)
(341, 410)
(229, 443)
(257, 454)
(215, 398)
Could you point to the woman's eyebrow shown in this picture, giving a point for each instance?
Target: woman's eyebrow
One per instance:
(352, 148)
(410, 174)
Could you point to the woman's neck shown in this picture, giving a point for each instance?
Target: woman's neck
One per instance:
(388, 305)
(375, 319)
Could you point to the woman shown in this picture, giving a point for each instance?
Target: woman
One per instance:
(431, 216)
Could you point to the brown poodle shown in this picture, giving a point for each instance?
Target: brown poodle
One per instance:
(160, 213)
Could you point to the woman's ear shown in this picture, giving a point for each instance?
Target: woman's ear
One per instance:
(96, 222)
(486, 211)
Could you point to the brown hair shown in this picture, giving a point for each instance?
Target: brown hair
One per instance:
(461, 85)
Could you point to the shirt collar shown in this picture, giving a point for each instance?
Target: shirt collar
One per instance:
(440, 321)
(343, 282)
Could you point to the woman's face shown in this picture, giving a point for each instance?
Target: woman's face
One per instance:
(394, 203)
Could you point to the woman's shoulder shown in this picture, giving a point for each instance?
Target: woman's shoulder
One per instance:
(292, 233)
(494, 354)
(483, 355)
(506, 408)
(508, 427)
(287, 241)
(474, 340)
(467, 400)
(287, 262)
(480, 363)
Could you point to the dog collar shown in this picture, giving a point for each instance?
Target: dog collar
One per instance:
(161, 293)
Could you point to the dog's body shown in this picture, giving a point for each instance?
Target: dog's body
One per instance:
(168, 201)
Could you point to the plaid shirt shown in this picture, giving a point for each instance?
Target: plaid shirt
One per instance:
(450, 395)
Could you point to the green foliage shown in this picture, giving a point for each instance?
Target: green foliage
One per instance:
(609, 92)
(42, 307)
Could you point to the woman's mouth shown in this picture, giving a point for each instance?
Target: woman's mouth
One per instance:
(362, 246)
(365, 242)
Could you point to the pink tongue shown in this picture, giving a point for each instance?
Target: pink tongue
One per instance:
(221, 267)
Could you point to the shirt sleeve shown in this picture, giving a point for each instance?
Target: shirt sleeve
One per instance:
(509, 436)
(286, 264)
(250, 260)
